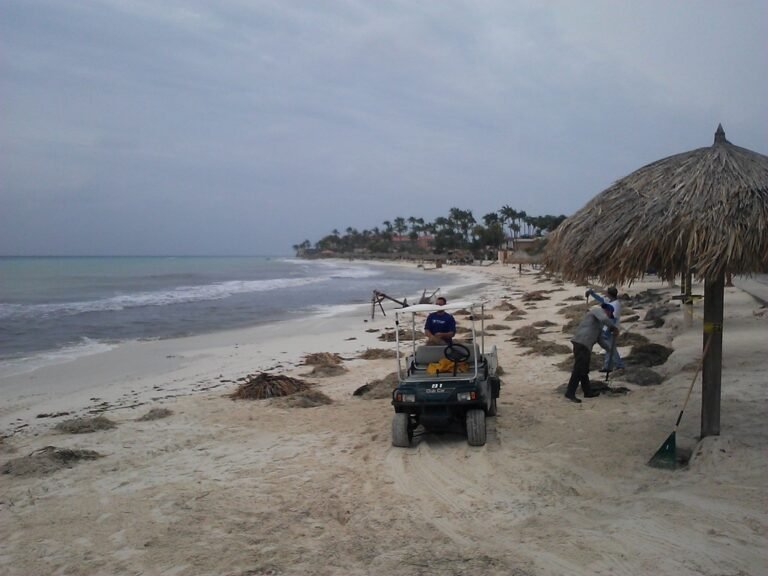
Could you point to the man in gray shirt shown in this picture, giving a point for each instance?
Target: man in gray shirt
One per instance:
(587, 333)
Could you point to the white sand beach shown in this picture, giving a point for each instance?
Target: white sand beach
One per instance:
(260, 488)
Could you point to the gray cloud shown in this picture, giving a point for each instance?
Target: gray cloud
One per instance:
(244, 127)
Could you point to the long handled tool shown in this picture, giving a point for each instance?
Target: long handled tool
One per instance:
(612, 351)
(666, 456)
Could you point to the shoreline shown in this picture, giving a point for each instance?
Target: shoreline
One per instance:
(138, 372)
(258, 487)
(222, 298)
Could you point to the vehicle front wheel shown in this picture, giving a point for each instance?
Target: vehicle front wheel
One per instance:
(401, 430)
(476, 427)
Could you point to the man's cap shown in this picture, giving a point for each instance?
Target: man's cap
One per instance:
(612, 292)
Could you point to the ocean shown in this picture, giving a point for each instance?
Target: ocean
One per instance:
(53, 309)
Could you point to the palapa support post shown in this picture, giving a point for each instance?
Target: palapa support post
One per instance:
(714, 290)
(688, 286)
(687, 296)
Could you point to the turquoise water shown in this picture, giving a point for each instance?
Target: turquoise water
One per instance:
(76, 305)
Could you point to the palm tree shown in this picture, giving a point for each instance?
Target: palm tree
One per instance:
(508, 215)
(399, 225)
(462, 221)
(478, 232)
(521, 216)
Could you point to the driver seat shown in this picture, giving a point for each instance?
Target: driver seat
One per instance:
(425, 355)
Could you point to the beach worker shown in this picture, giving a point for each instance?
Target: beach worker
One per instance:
(606, 337)
(587, 333)
(440, 326)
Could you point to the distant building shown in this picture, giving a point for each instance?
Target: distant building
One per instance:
(521, 251)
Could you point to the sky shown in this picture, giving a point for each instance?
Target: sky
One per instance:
(247, 126)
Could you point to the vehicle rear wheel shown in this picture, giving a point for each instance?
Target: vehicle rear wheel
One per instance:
(476, 427)
(493, 410)
(401, 430)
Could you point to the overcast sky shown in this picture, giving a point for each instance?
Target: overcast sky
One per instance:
(244, 127)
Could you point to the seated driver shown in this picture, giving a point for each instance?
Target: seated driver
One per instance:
(440, 327)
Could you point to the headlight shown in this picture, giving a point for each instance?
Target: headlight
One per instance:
(400, 397)
(466, 396)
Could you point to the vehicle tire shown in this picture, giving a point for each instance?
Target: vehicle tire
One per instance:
(401, 432)
(493, 410)
(476, 427)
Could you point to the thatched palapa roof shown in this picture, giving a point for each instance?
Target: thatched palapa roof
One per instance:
(706, 209)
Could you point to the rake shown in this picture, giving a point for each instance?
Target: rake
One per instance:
(666, 456)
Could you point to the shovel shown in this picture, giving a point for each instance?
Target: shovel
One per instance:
(666, 456)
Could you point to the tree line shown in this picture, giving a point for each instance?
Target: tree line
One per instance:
(458, 230)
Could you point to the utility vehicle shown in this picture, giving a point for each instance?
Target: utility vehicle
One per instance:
(464, 393)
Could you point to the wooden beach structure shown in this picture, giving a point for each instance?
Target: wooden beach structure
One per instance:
(702, 212)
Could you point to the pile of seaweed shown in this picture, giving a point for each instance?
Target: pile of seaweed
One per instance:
(326, 364)
(376, 389)
(322, 359)
(535, 295)
(85, 425)
(265, 385)
(46, 461)
(377, 354)
(528, 336)
(306, 399)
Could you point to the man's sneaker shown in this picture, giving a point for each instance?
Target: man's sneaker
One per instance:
(573, 399)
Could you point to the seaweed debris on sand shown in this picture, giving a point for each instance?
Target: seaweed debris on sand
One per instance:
(306, 399)
(264, 385)
(377, 389)
(322, 359)
(377, 354)
(155, 414)
(85, 425)
(46, 461)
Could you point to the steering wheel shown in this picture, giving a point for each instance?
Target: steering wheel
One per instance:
(456, 353)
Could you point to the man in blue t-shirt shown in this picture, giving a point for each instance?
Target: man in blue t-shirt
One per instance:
(440, 327)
